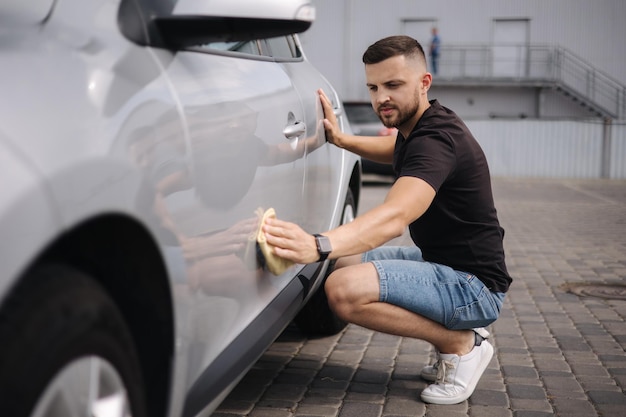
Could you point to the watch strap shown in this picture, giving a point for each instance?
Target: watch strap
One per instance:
(323, 254)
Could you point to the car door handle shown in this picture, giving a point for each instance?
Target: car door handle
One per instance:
(293, 130)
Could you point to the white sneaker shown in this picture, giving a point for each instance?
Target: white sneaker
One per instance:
(429, 372)
(457, 376)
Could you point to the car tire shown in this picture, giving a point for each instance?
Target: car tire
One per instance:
(316, 317)
(65, 347)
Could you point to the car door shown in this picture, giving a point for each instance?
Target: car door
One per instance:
(245, 154)
(323, 171)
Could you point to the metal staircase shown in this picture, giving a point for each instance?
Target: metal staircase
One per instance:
(539, 66)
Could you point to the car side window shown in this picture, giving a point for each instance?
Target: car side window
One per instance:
(282, 48)
(245, 48)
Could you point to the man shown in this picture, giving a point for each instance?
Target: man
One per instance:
(434, 50)
(454, 279)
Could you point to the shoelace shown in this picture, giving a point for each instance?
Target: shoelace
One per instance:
(443, 368)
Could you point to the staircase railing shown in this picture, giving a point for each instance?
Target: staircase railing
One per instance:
(535, 64)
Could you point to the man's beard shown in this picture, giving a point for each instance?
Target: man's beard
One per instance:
(402, 116)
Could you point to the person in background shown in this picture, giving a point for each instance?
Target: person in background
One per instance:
(435, 43)
(451, 283)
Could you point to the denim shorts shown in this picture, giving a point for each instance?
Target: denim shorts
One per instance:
(455, 299)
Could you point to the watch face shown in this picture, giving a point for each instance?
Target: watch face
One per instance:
(324, 244)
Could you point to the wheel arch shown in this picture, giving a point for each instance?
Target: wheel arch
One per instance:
(355, 183)
(121, 255)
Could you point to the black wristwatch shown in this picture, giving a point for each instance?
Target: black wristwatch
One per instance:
(323, 247)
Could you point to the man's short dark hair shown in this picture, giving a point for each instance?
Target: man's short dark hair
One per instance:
(393, 46)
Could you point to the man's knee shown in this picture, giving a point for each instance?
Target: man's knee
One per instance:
(336, 291)
(348, 289)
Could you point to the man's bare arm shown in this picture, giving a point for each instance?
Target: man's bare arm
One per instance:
(406, 201)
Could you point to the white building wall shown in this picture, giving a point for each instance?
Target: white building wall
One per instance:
(592, 29)
(476, 102)
(538, 148)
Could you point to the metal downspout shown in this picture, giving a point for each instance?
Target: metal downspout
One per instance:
(606, 148)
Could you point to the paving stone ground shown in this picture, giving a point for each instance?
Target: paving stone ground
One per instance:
(560, 347)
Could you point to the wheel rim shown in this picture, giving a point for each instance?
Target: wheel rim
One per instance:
(88, 386)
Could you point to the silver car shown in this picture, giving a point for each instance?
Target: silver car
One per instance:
(140, 142)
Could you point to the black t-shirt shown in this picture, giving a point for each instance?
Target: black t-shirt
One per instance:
(460, 229)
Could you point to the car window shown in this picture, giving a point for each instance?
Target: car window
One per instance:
(248, 48)
(282, 48)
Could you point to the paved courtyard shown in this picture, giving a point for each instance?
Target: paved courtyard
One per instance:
(560, 341)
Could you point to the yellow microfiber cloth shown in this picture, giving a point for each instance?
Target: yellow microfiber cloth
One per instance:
(275, 264)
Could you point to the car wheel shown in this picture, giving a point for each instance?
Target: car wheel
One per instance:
(66, 350)
(316, 317)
